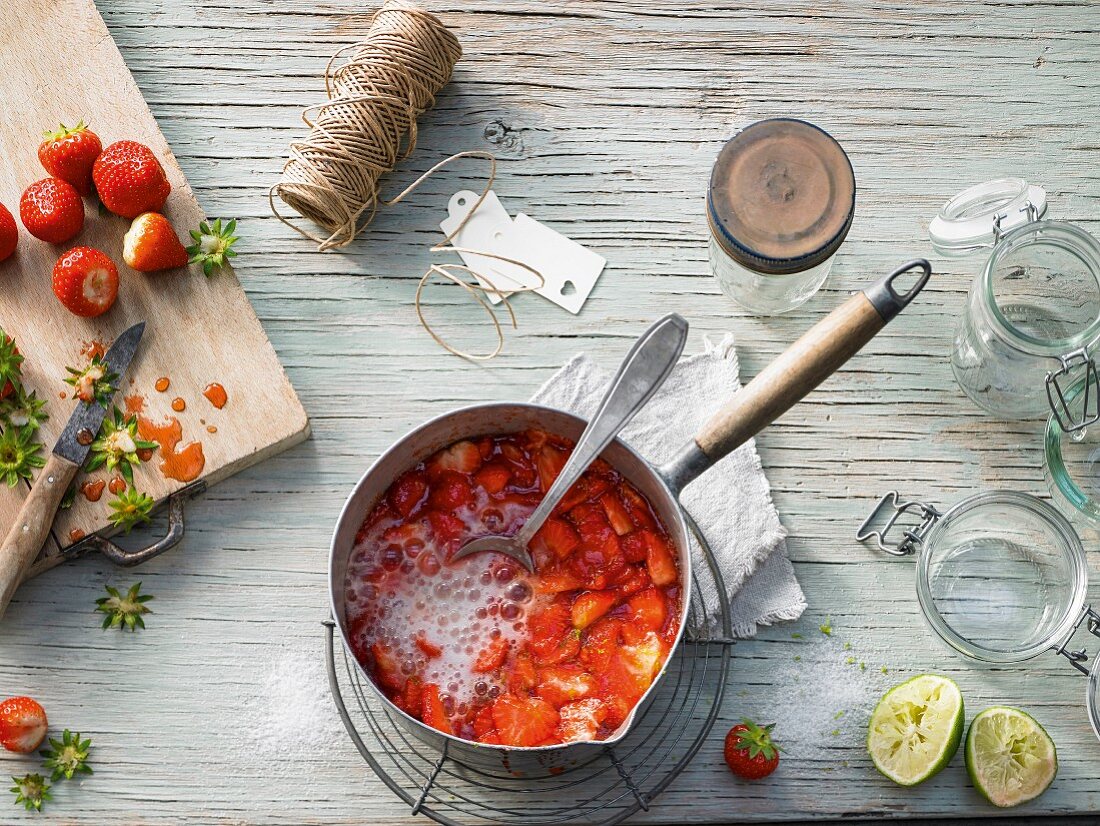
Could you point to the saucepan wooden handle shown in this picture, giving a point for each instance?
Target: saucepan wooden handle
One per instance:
(32, 525)
(808, 362)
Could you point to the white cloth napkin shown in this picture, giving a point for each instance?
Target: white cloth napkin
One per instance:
(731, 502)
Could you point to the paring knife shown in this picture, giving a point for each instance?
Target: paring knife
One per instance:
(32, 525)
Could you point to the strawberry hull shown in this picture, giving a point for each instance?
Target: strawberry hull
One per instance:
(559, 696)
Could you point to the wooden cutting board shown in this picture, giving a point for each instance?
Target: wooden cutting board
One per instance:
(58, 63)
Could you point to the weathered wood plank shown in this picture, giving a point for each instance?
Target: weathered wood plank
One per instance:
(606, 117)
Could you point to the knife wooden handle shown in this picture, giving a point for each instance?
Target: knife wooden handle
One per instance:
(32, 525)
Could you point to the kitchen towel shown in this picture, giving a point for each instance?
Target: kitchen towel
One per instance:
(731, 503)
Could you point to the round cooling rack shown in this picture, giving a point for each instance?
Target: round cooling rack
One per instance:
(618, 782)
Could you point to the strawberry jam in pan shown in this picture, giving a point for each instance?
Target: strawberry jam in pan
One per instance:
(479, 648)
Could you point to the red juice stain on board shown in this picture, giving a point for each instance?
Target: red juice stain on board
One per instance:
(184, 464)
(62, 394)
(93, 348)
(135, 403)
(117, 485)
(93, 490)
(216, 395)
(162, 384)
(75, 535)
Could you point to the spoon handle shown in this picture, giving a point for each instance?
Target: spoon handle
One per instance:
(642, 372)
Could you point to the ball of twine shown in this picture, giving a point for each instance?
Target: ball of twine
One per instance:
(368, 123)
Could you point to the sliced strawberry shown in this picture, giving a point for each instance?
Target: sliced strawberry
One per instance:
(429, 649)
(451, 491)
(648, 609)
(601, 640)
(589, 486)
(557, 536)
(492, 656)
(461, 457)
(659, 561)
(561, 684)
(634, 546)
(599, 560)
(432, 712)
(493, 477)
(639, 506)
(449, 531)
(485, 446)
(23, 724)
(408, 492)
(524, 721)
(483, 722)
(635, 579)
(632, 669)
(580, 721)
(554, 579)
(552, 636)
(590, 606)
(386, 673)
(406, 534)
(617, 514)
(524, 474)
(412, 698)
(521, 676)
(550, 461)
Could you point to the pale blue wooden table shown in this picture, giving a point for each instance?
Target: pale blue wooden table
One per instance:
(606, 117)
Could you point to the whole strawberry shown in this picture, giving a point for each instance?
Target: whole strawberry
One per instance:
(9, 234)
(85, 280)
(51, 210)
(69, 154)
(750, 752)
(22, 724)
(151, 244)
(130, 179)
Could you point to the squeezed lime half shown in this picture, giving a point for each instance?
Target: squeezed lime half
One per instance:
(916, 728)
(1009, 756)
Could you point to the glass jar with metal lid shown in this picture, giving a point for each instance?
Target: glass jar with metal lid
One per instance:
(780, 203)
(1001, 577)
(1032, 317)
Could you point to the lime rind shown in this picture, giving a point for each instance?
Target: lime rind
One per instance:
(1009, 756)
(916, 729)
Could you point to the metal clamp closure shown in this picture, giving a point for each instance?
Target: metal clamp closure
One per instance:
(1090, 403)
(1081, 656)
(911, 537)
(1031, 214)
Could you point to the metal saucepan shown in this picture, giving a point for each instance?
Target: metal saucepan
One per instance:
(811, 359)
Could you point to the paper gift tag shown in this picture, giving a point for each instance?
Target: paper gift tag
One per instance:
(482, 232)
(569, 270)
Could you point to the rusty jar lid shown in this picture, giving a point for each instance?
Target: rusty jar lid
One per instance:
(782, 196)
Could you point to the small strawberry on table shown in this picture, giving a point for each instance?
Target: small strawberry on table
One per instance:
(749, 750)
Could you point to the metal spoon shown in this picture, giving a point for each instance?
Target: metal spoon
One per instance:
(642, 372)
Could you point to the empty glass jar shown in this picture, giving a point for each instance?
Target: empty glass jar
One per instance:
(780, 203)
(1032, 318)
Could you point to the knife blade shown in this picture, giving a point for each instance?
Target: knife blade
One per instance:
(76, 439)
(25, 537)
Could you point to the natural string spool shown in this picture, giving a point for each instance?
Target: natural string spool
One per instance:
(368, 123)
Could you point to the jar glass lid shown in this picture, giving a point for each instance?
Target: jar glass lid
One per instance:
(1002, 575)
(782, 196)
(976, 217)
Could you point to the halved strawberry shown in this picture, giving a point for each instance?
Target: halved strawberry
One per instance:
(588, 487)
(449, 531)
(432, 712)
(648, 609)
(386, 672)
(659, 561)
(555, 579)
(493, 477)
(552, 636)
(492, 656)
(521, 675)
(408, 492)
(617, 514)
(451, 491)
(429, 649)
(461, 457)
(557, 536)
(590, 606)
(633, 667)
(524, 721)
(601, 640)
(549, 461)
(561, 684)
(581, 720)
(151, 245)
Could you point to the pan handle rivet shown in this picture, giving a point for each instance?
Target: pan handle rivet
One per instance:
(26, 528)
(49, 479)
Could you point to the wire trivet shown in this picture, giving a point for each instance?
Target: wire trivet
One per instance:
(615, 784)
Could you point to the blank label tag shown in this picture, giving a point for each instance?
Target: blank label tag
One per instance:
(482, 232)
(570, 270)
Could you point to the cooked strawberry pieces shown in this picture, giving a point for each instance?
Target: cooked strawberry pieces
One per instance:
(550, 461)
(433, 712)
(617, 514)
(659, 561)
(552, 636)
(451, 491)
(492, 656)
(580, 721)
(590, 606)
(648, 609)
(407, 493)
(429, 649)
(493, 478)
(561, 684)
(558, 537)
(600, 642)
(462, 457)
(524, 721)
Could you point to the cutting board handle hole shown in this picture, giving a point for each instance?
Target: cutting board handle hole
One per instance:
(568, 288)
